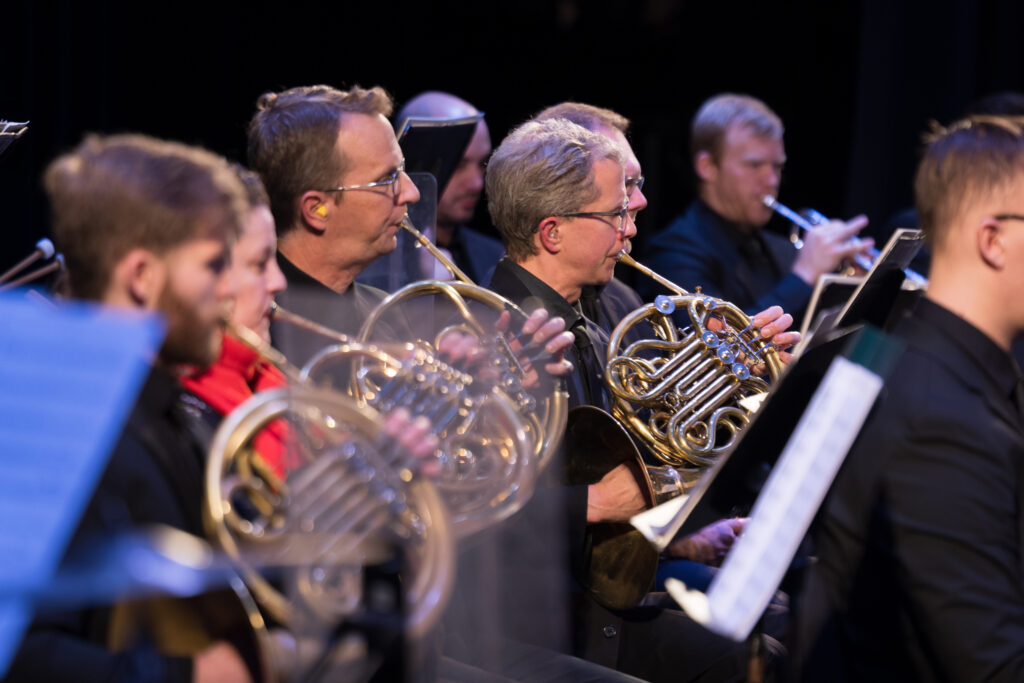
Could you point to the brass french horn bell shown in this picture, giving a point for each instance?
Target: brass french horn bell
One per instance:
(349, 498)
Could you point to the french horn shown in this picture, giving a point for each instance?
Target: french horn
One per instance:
(687, 392)
(350, 499)
(493, 449)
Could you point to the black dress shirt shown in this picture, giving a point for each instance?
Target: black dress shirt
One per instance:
(308, 297)
(652, 643)
(919, 544)
(748, 269)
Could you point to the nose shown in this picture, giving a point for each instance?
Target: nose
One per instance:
(407, 191)
(629, 229)
(276, 282)
(476, 181)
(637, 201)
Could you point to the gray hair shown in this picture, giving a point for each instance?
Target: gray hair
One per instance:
(543, 168)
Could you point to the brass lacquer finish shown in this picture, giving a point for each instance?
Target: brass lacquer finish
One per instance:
(682, 391)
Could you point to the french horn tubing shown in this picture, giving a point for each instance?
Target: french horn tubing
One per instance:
(546, 423)
(487, 451)
(687, 392)
(487, 474)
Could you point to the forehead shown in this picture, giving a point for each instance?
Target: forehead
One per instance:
(741, 140)
(258, 224)
(368, 143)
(610, 179)
(630, 163)
(480, 144)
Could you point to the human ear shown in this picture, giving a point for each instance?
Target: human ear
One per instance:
(137, 279)
(549, 235)
(989, 237)
(704, 166)
(315, 209)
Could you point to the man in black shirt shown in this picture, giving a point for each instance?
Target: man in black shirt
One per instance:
(558, 194)
(718, 244)
(144, 225)
(338, 191)
(919, 574)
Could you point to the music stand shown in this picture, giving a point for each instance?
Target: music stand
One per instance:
(794, 447)
(68, 379)
(882, 294)
(436, 145)
(9, 132)
(831, 292)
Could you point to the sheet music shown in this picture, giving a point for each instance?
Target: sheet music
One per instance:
(68, 378)
(783, 512)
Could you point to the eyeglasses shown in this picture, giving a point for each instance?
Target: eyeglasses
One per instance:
(619, 214)
(636, 183)
(391, 180)
(1009, 217)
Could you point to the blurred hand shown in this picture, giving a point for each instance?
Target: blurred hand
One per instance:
(219, 663)
(615, 498)
(828, 245)
(541, 338)
(711, 544)
(415, 435)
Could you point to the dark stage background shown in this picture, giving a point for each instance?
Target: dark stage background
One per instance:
(855, 83)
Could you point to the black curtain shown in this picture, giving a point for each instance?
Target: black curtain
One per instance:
(855, 83)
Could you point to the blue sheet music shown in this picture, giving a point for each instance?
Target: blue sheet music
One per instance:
(69, 376)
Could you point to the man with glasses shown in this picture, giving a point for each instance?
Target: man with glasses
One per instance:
(334, 173)
(718, 244)
(919, 574)
(557, 193)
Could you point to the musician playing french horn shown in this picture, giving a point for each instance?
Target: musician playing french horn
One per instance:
(559, 195)
(738, 155)
(338, 191)
(145, 225)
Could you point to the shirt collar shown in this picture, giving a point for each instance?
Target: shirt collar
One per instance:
(995, 363)
(537, 293)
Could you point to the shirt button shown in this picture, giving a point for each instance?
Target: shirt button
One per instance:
(610, 632)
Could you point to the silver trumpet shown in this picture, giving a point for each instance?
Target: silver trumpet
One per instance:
(807, 224)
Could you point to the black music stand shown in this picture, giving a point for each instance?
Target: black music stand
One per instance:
(882, 295)
(9, 132)
(782, 468)
(435, 145)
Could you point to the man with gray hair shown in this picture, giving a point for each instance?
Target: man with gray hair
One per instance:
(718, 244)
(473, 252)
(557, 193)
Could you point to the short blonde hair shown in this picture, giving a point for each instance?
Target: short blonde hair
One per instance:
(974, 157)
(714, 117)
